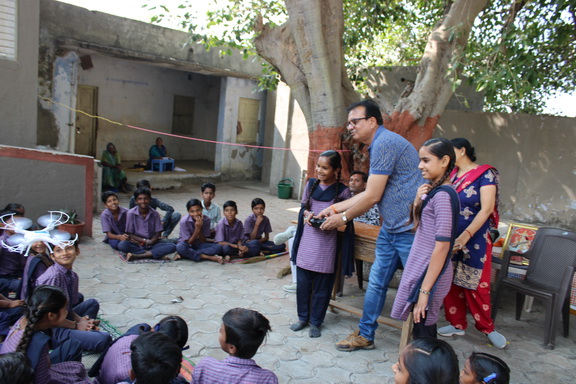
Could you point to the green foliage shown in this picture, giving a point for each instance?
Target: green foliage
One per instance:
(518, 59)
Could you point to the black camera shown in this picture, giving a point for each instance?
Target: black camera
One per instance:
(316, 223)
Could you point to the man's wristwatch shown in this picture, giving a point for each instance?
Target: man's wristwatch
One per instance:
(344, 219)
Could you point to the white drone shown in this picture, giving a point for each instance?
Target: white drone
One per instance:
(22, 239)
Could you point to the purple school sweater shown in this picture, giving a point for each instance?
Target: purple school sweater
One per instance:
(145, 227)
(317, 250)
(435, 225)
(231, 370)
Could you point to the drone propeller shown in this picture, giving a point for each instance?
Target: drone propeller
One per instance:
(53, 218)
(59, 235)
(22, 222)
(15, 239)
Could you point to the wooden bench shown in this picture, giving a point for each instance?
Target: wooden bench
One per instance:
(364, 250)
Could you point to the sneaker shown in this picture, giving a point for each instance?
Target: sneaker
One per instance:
(283, 237)
(290, 288)
(451, 330)
(497, 339)
(314, 331)
(355, 341)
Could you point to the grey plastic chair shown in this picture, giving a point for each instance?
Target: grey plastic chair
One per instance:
(549, 277)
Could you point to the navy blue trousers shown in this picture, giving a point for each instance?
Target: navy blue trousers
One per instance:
(313, 293)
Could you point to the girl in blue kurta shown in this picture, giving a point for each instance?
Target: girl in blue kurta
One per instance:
(427, 276)
(314, 251)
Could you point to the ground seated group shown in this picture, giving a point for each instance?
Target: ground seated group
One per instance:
(140, 233)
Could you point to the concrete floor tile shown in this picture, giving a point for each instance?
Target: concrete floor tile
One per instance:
(209, 290)
(298, 369)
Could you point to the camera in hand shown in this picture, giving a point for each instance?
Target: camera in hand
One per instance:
(316, 223)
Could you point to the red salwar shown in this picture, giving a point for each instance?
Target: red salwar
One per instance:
(476, 301)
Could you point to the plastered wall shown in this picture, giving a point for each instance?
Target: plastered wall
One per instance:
(45, 180)
(238, 162)
(18, 81)
(535, 157)
(142, 95)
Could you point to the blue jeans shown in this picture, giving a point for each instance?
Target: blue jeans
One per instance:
(392, 250)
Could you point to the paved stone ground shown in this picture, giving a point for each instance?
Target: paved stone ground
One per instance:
(133, 293)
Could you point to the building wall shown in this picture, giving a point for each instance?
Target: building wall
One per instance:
(142, 95)
(238, 162)
(535, 157)
(53, 181)
(19, 81)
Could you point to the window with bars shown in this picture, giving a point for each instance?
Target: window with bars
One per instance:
(8, 29)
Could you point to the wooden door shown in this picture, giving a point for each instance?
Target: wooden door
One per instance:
(86, 101)
(247, 128)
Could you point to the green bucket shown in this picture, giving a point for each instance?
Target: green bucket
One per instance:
(285, 188)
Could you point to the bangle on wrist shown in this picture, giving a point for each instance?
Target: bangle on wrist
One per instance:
(468, 232)
(75, 324)
(334, 209)
(424, 292)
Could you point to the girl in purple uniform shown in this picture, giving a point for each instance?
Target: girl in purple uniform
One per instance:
(427, 274)
(46, 309)
(314, 250)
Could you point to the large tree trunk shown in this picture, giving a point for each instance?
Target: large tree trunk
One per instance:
(307, 51)
(416, 113)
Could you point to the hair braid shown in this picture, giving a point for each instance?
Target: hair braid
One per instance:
(33, 318)
(45, 299)
(337, 191)
(312, 189)
(439, 147)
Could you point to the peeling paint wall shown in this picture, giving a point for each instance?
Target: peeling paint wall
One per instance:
(535, 157)
(237, 162)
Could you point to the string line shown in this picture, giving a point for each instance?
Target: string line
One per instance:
(179, 136)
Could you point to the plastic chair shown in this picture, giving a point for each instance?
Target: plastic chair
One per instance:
(549, 277)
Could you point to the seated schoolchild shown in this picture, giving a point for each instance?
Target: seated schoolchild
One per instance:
(210, 208)
(230, 234)
(194, 229)
(171, 217)
(483, 368)
(10, 311)
(426, 360)
(11, 263)
(37, 262)
(15, 368)
(114, 365)
(46, 310)
(113, 220)
(144, 228)
(241, 334)
(257, 229)
(80, 323)
(155, 359)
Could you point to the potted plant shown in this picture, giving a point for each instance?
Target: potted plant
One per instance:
(73, 226)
